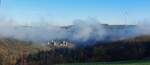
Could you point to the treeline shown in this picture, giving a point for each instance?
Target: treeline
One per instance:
(114, 51)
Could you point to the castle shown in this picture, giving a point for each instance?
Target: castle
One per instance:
(60, 44)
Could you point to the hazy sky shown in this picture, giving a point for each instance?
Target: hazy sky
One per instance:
(63, 12)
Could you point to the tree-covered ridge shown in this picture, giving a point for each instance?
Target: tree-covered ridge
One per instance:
(129, 49)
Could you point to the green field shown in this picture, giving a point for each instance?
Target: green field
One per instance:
(142, 62)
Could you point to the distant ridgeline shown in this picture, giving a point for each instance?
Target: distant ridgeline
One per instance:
(78, 34)
(119, 32)
(111, 32)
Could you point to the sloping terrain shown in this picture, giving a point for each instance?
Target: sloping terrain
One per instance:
(131, 48)
(11, 50)
(135, 48)
(144, 38)
(17, 52)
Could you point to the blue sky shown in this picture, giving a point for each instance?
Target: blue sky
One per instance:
(63, 12)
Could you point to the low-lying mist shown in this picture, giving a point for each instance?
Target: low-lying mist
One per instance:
(81, 31)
